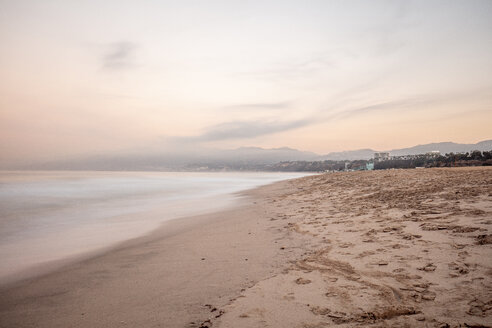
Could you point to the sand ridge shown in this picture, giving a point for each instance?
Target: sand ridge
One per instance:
(397, 248)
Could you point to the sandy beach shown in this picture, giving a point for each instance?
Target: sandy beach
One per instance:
(395, 248)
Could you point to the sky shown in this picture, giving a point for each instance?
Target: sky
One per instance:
(82, 77)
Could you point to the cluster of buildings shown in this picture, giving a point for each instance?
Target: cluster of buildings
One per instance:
(367, 165)
(385, 156)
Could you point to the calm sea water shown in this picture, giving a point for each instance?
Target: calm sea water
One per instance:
(48, 216)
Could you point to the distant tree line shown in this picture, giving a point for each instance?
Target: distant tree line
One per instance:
(474, 158)
(307, 166)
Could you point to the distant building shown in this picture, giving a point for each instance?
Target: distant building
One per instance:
(359, 167)
(370, 166)
(379, 157)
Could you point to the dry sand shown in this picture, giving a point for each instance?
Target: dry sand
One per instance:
(398, 248)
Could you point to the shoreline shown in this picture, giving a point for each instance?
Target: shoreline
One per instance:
(179, 252)
(67, 230)
(163, 229)
(392, 248)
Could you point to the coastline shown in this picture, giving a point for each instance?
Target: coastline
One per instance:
(173, 276)
(52, 219)
(393, 248)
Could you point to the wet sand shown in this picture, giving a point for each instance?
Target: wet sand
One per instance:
(398, 248)
(179, 276)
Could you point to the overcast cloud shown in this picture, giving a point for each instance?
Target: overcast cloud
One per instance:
(320, 76)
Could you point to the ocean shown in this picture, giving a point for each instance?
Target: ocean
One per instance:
(48, 216)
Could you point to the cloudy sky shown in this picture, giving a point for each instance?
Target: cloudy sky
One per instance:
(88, 77)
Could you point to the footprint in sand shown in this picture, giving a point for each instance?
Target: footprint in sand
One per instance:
(429, 267)
(480, 308)
(458, 269)
(365, 253)
(484, 239)
(320, 310)
(302, 281)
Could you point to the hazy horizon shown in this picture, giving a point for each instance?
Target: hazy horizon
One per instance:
(115, 77)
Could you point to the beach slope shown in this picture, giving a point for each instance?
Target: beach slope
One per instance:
(179, 276)
(396, 248)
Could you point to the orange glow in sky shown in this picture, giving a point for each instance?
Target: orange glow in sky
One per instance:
(81, 78)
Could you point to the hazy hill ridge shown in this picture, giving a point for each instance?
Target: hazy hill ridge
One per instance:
(443, 147)
(244, 156)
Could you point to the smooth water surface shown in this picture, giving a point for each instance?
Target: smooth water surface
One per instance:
(48, 216)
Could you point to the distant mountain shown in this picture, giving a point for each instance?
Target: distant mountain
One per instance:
(442, 147)
(349, 155)
(256, 155)
(183, 160)
(248, 158)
